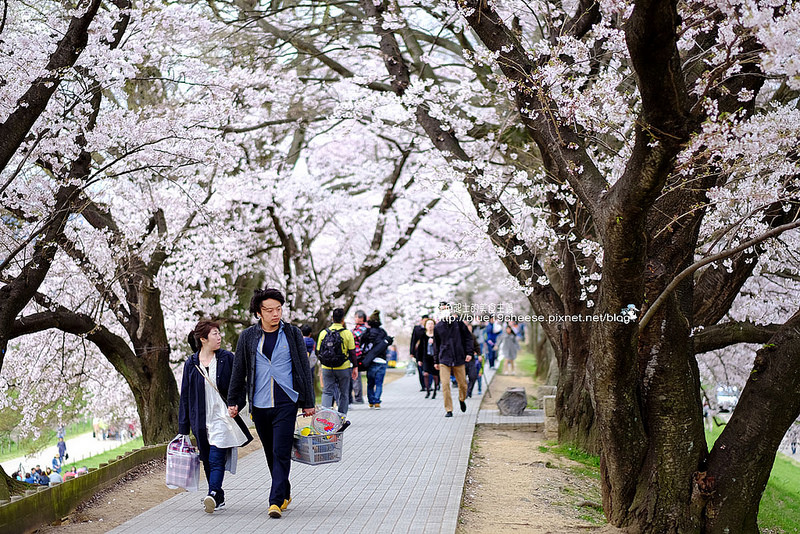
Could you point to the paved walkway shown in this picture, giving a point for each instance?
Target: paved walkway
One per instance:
(403, 470)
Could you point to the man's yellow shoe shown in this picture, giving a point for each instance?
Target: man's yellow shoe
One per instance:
(286, 503)
(274, 511)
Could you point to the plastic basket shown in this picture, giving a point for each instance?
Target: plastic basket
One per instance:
(318, 449)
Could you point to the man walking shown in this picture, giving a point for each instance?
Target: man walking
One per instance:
(336, 352)
(271, 371)
(417, 334)
(358, 331)
(452, 349)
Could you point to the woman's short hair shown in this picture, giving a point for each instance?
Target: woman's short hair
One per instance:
(201, 331)
(260, 295)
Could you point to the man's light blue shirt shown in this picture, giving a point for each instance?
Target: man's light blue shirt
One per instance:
(269, 372)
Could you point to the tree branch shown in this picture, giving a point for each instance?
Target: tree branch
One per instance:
(723, 335)
(35, 99)
(711, 259)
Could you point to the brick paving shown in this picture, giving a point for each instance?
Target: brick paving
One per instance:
(403, 470)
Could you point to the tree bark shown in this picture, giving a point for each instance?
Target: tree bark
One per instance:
(10, 486)
(741, 459)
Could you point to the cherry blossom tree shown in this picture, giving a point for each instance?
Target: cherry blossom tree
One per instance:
(608, 148)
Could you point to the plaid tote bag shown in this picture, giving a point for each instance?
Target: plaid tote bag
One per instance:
(183, 464)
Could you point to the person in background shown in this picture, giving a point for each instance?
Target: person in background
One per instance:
(55, 478)
(453, 348)
(43, 480)
(56, 464)
(472, 366)
(423, 351)
(203, 409)
(493, 331)
(271, 370)
(508, 344)
(29, 478)
(391, 356)
(70, 473)
(416, 335)
(62, 453)
(312, 353)
(357, 388)
(337, 379)
(375, 342)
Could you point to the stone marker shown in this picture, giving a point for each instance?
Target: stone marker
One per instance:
(549, 405)
(543, 391)
(513, 401)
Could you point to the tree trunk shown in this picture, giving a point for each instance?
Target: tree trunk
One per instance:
(156, 394)
(741, 459)
(10, 486)
(574, 410)
(672, 415)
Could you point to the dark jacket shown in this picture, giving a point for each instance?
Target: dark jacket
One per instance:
(374, 343)
(242, 387)
(452, 342)
(192, 412)
(416, 334)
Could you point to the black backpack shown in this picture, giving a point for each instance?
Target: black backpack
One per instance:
(330, 351)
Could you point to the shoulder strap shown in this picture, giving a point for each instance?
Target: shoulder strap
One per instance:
(205, 375)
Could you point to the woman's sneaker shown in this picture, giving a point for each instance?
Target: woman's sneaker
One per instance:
(209, 504)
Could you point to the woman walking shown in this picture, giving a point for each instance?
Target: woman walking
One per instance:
(509, 347)
(203, 408)
(424, 353)
(374, 344)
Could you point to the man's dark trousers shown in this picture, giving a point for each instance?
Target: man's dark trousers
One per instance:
(275, 427)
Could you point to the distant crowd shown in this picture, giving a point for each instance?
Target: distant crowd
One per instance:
(448, 350)
(48, 476)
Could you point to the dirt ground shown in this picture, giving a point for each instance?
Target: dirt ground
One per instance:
(512, 486)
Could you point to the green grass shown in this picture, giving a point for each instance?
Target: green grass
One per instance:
(15, 450)
(590, 464)
(779, 511)
(95, 461)
(780, 504)
(526, 363)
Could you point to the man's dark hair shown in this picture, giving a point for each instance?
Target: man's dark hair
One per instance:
(260, 295)
(306, 330)
(425, 316)
(338, 315)
(361, 314)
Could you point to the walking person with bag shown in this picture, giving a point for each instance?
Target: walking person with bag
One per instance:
(271, 371)
(374, 344)
(203, 409)
(336, 352)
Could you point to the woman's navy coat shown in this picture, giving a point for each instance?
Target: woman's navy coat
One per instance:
(192, 412)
